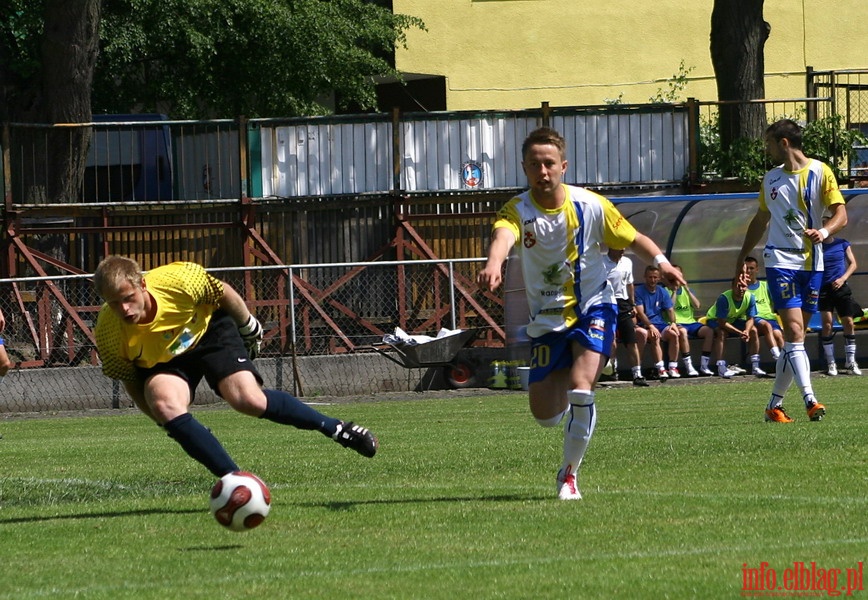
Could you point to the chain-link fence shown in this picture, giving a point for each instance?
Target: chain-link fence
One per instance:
(322, 324)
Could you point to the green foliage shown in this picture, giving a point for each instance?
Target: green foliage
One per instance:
(219, 58)
(20, 32)
(458, 503)
(745, 159)
(828, 139)
(825, 139)
(615, 101)
(206, 58)
(672, 93)
(674, 86)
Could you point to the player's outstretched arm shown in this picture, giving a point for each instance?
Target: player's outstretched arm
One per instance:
(491, 275)
(646, 249)
(234, 305)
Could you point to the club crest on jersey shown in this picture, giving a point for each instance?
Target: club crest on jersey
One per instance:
(529, 239)
(793, 218)
(556, 274)
(773, 194)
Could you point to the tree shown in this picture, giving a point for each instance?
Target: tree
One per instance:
(223, 58)
(738, 36)
(61, 60)
(48, 52)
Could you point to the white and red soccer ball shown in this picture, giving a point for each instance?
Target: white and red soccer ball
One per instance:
(240, 501)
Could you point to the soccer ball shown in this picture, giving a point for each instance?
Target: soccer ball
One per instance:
(240, 501)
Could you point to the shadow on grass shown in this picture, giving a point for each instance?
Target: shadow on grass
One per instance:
(102, 515)
(351, 504)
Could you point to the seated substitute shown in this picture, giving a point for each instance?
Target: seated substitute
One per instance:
(766, 320)
(652, 302)
(732, 315)
(160, 333)
(620, 269)
(685, 302)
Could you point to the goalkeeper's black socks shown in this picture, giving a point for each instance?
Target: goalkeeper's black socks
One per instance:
(286, 409)
(198, 441)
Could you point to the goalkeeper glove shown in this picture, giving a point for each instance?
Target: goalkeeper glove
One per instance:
(251, 332)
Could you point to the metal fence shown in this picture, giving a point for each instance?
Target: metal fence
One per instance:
(306, 310)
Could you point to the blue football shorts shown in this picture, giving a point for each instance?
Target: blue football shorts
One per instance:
(791, 288)
(594, 331)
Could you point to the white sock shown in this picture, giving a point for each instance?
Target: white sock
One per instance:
(776, 352)
(775, 401)
(704, 360)
(754, 360)
(850, 349)
(783, 376)
(673, 365)
(798, 367)
(721, 367)
(637, 372)
(579, 428)
(829, 350)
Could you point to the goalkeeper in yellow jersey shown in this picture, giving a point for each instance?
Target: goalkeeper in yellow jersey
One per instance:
(160, 333)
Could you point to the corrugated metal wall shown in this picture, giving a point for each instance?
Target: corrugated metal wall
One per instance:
(460, 152)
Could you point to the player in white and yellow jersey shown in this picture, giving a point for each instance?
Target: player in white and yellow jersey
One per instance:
(792, 200)
(161, 333)
(559, 230)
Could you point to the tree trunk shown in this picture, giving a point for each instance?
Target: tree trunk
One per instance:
(738, 36)
(59, 93)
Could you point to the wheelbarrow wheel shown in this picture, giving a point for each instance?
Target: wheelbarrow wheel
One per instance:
(459, 375)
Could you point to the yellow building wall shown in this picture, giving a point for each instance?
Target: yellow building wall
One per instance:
(512, 54)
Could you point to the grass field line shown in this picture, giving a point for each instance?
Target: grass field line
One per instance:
(728, 496)
(95, 483)
(602, 556)
(535, 492)
(843, 500)
(342, 572)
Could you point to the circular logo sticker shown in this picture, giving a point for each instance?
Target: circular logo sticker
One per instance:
(471, 174)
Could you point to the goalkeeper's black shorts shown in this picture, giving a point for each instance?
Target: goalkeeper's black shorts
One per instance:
(219, 354)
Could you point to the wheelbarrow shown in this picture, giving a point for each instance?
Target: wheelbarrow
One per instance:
(438, 352)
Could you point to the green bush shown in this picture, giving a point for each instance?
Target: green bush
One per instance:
(825, 139)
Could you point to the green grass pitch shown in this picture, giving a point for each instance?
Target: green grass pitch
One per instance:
(685, 487)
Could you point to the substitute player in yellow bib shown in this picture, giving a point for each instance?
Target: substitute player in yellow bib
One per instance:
(559, 230)
(792, 200)
(161, 333)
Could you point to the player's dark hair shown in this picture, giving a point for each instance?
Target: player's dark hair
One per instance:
(544, 136)
(786, 129)
(750, 259)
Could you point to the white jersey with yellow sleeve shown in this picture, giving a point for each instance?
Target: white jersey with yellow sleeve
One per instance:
(561, 259)
(796, 201)
(185, 295)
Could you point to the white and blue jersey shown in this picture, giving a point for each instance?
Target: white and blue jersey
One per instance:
(796, 201)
